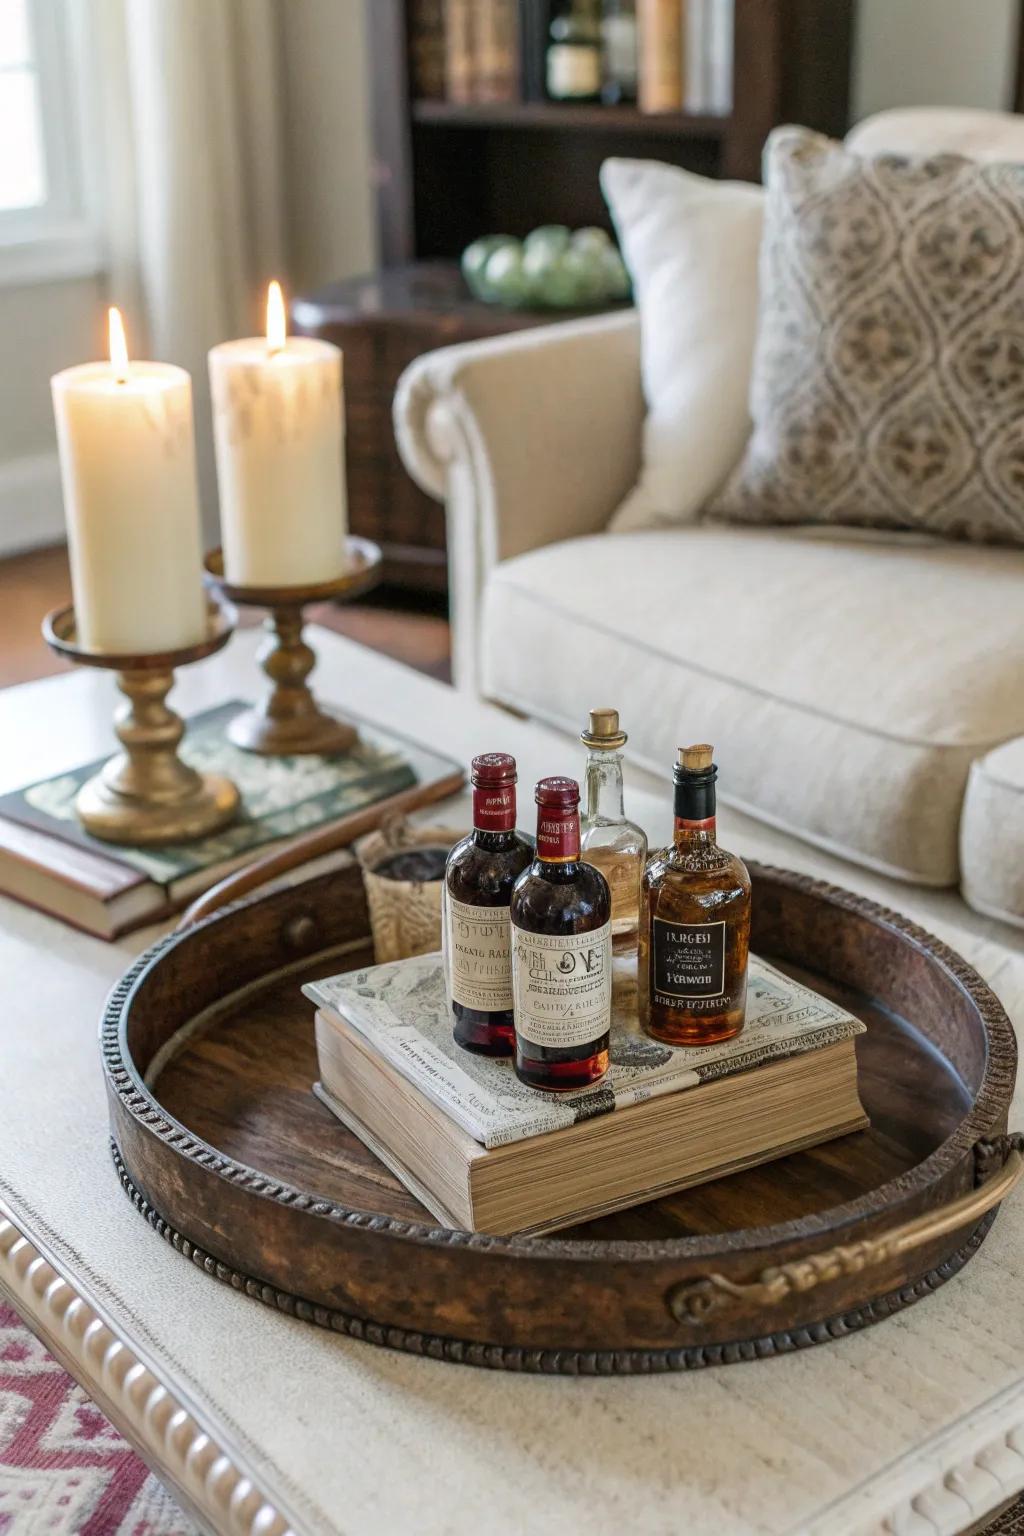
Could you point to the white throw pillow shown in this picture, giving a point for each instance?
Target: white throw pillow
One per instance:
(691, 246)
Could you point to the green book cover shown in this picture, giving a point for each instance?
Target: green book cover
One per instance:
(281, 796)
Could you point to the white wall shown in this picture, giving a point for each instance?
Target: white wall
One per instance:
(43, 327)
(923, 53)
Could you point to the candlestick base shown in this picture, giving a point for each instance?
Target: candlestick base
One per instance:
(289, 720)
(146, 795)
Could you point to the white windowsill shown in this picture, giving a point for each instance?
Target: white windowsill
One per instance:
(68, 251)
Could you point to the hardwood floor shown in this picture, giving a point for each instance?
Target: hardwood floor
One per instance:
(32, 584)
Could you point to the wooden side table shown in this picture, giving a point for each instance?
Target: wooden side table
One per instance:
(382, 322)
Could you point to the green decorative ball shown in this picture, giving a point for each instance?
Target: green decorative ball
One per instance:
(553, 268)
(550, 237)
(503, 275)
(474, 262)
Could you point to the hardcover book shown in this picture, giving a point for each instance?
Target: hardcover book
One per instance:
(485, 1152)
(49, 861)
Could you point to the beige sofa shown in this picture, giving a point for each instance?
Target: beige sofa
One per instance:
(865, 692)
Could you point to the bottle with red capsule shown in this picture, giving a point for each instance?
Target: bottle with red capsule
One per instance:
(561, 953)
(478, 881)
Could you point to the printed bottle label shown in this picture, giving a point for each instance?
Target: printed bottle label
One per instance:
(688, 959)
(562, 986)
(494, 807)
(573, 71)
(558, 833)
(478, 955)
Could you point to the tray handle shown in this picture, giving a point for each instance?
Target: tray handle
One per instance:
(693, 1301)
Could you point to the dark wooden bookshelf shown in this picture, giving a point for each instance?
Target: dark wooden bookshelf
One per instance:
(577, 119)
(446, 173)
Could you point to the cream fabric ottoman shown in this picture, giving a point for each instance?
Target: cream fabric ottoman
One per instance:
(992, 834)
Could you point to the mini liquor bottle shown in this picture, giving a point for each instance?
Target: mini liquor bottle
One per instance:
(615, 846)
(478, 880)
(561, 953)
(694, 921)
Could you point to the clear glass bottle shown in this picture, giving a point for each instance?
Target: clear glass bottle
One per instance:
(619, 51)
(611, 843)
(694, 921)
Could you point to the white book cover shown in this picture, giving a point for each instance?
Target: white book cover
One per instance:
(720, 23)
(402, 1010)
(695, 56)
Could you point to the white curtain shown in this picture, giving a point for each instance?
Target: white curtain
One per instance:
(190, 104)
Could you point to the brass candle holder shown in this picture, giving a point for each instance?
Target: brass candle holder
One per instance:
(146, 795)
(289, 720)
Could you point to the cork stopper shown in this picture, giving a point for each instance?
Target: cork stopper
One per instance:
(603, 732)
(697, 759)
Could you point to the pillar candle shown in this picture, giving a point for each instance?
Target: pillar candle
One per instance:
(128, 471)
(278, 429)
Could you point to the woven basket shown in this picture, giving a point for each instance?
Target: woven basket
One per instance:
(405, 915)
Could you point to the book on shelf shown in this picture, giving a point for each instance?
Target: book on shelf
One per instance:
(661, 36)
(686, 56)
(427, 49)
(485, 1153)
(48, 861)
(479, 47)
(496, 65)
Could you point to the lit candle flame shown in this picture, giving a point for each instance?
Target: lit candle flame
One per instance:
(118, 345)
(276, 330)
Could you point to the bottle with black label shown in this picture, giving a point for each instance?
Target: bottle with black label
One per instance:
(561, 953)
(694, 921)
(478, 881)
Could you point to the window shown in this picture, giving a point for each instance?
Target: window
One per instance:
(45, 229)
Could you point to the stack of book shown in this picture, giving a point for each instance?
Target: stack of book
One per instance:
(48, 861)
(485, 1153)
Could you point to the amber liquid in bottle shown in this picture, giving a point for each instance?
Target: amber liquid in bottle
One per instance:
(615, 846)
(480, 874)
(694, 921)
(561, 953)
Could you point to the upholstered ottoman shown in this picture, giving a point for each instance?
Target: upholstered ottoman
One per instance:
(992, 834)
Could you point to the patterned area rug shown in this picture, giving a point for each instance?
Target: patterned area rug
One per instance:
(64, 1469)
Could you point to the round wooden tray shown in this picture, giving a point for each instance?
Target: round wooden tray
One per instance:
(209, 1058)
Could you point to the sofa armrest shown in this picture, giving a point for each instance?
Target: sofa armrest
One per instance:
(529, 438)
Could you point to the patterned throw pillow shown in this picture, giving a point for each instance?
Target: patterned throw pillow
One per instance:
(888, 385)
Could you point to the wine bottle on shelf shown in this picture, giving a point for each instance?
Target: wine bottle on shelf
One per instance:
(660, 79)
(618, 51)
(614, 845)
(561, 953)
(573, 63)
(694, 921)
(478, 880)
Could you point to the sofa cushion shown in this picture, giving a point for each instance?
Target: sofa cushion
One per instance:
(888, 382)
(847, 681)
(691, 246)
(992, 834)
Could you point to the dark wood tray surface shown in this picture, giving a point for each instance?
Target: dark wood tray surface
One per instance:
(229, 1154)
